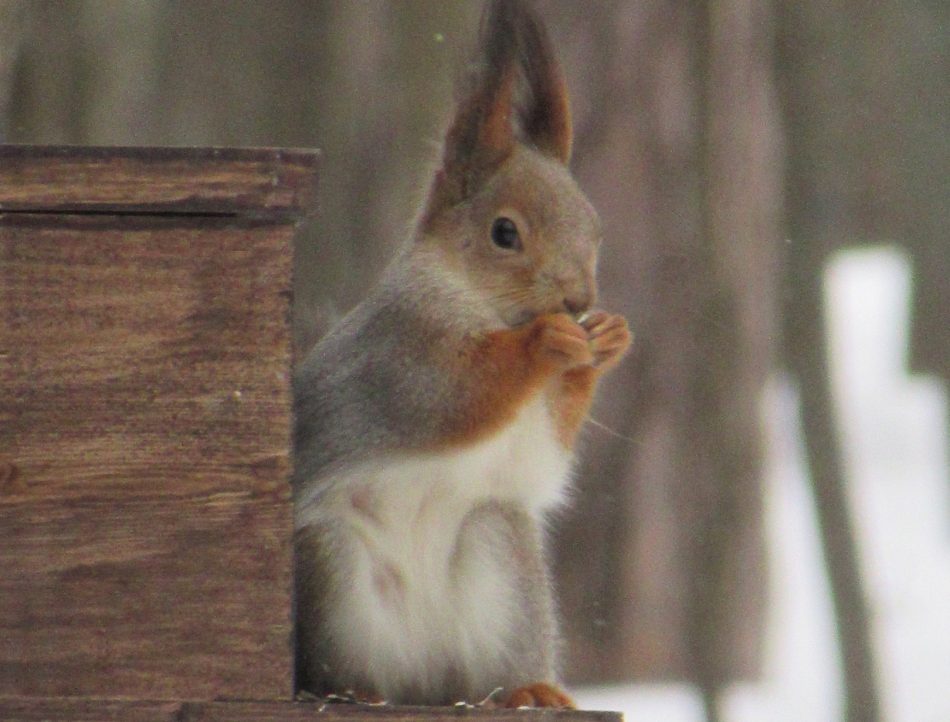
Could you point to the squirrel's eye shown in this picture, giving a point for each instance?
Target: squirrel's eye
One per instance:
(504, 234)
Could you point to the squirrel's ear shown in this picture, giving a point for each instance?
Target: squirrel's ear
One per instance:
(545, 111)
(480, 136)
(519, 50)
(515, 91)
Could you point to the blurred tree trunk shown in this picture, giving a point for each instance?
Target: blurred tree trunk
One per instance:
(867, 96)
(679, 148)
(865, 92)
(13, 29)
(84, 74)
(820, 200)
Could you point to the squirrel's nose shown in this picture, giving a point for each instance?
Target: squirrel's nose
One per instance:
(577, 303)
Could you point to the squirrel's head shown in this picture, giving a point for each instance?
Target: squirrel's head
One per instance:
(503, 209)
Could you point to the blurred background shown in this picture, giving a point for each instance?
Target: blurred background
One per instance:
(761, 529)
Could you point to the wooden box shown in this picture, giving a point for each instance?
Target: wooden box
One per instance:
(145, 418)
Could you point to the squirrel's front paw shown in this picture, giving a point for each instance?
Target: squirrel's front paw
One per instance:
(539, 695)
(608, 337)
(563, 341)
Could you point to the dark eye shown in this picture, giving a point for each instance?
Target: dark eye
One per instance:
(504, 234)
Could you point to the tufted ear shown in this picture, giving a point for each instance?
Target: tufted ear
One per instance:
(515, 92)
(544, 111)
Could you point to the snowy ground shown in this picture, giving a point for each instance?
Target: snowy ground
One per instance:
(895, 432)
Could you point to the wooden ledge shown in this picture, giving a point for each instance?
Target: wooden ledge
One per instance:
(31, 709)
(266, 183)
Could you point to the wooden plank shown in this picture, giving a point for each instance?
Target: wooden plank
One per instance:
(165, 598)
(253, 182)
(35, 710)
(135, 351)
(145, 518)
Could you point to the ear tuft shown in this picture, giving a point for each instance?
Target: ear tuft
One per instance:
(515, 92)
(515, 41)
(544, 109)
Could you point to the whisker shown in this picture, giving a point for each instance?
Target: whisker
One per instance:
(515, 295)
(591, 420)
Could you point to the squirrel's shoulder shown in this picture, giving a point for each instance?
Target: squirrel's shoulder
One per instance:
(375, 382)
(418, 308)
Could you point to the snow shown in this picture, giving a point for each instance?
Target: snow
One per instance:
(894, 427)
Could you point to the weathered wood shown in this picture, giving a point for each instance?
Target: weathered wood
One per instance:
(145, 514)
(144, 357)
(34, 710)
(166, 598)
(250, 182)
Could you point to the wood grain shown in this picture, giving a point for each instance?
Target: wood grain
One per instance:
(35, 710)
(248, 182)
(145, 516)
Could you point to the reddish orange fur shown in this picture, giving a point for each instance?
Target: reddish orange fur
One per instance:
(504, 369)
(608, 339)
(495, 134)
(570, 402)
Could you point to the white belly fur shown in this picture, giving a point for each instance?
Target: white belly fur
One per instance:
(398, 613)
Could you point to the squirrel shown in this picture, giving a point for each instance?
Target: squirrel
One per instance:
(435, 424)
